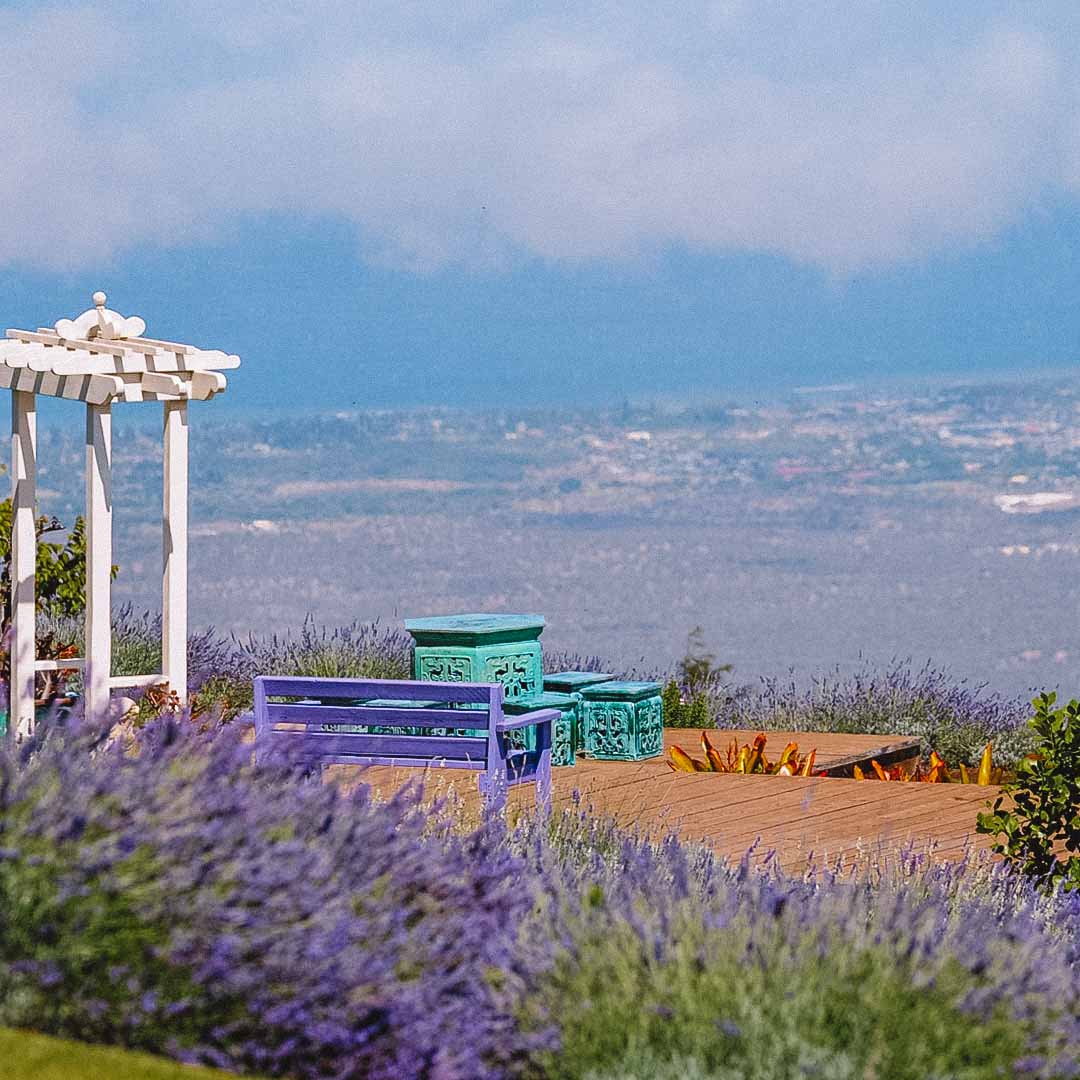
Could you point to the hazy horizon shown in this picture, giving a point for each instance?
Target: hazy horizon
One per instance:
(385, 206)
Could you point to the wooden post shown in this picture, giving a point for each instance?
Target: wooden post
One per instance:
(23, 561)
(99, 502)
(175, 549)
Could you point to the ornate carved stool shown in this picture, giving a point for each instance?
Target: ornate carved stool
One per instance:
(573, 682)
(623, 721)
(564, 732)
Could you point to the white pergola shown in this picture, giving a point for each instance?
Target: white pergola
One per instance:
(100, 358)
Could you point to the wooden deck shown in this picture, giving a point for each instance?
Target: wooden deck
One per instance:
(824, 816)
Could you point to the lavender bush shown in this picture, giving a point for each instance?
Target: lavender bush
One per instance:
(170, 895)
(180, 900)
(671, 964)
(952, 716)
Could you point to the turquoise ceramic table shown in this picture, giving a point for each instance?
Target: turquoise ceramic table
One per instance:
(483, 648)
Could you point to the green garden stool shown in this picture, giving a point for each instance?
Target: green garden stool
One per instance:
(623, 721)
(480, 648)
(573, 682)
(564, 732)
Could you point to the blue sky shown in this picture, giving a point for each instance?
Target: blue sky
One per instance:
(483, 203)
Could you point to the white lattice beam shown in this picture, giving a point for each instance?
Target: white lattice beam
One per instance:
(99, 505)
(23, 561)
(174, 543)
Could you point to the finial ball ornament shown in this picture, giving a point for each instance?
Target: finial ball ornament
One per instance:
(100, 322)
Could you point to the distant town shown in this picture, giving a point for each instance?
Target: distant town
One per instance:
(938, 523)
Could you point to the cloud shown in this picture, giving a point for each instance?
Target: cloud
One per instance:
(845, 137)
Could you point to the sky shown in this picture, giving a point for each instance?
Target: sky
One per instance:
(387, 204)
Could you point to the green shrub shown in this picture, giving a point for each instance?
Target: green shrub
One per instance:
(721, 1005)
(61, 567)
(1045, 813)
(671, 698)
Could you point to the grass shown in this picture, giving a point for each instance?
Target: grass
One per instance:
(27, 1056)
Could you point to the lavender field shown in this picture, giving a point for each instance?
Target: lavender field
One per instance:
(181, 900)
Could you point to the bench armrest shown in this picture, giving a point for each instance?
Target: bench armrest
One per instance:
(529, 719)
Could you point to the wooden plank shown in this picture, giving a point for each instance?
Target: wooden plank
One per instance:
(886, 817)
(121, 682)
(23, 561)
(168, 346)
(313, 716)
(101, 389)
(408, 766)
(21, 357)
(90, 345)
(205, 384)
(99, 506)
(395, 689)
(174, 544)
(74, 387)
(74, 662)
(529, 719)
(400, 747)
(162, 383)
(792, 817)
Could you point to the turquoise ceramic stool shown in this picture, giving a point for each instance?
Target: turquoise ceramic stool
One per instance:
(564, 732)
(480, 648)
(573, 682)
(623, 721)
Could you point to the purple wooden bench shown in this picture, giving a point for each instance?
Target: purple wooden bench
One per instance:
(329, 722)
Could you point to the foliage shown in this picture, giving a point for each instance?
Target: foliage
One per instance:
(698, 669)
(357, 651)
(953, 717)
(749, 759)
(692, 696)
(39, 1057)
(221, 670)
(814, 1011)
(679, 712)
(179, 898)
(936, 771)
(61, 567)
(1040, 831)
(671, 964)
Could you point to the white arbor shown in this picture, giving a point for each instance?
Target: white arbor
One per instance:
(101, 358)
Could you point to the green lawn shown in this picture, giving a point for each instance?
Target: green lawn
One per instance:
(25, 1056)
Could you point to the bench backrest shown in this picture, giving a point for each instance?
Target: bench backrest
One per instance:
(331, 720)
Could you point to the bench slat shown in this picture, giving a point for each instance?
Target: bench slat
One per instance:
(304, 686)
(318, 714)
(411, 747)
(402, 763)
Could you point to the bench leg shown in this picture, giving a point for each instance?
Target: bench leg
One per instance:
(543, 767)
